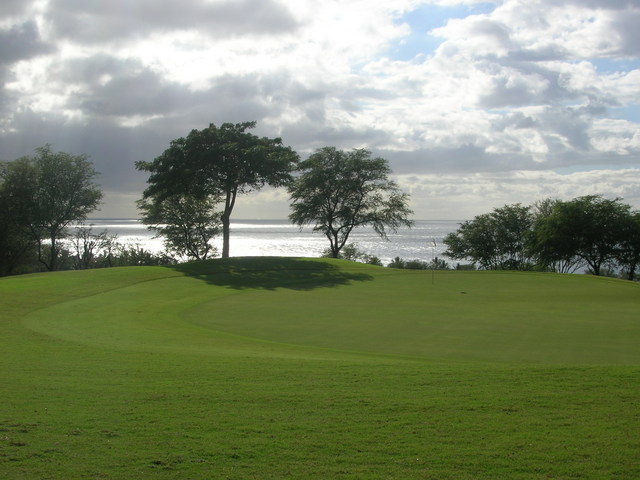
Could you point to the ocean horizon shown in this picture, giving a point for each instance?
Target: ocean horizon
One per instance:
(278, 237)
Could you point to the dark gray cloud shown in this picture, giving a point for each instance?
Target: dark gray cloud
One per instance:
(566, 132)
(9, 8)
(308, 135)
(21, 42)
(6, 99)
(627, 25)
(571, 124)
(140, 93)
(493, 29)
(105, 86)
(467, 160)
(544, 53)
(517, 120)
(111, 148)
(451, 160)
(120, 20)
(518, 83)
(108, 86)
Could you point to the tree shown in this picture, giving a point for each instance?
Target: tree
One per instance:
(87, 246)
(496, 240)
(339, 191)
(628, 255)
(17, 247)
(46, 193)
(397, 263)
(221, 162)
(133, 255)
(589, 227)
(567, 262)
(352, 253)
(187, 223)
(438, 264)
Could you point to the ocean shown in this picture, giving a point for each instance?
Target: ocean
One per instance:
(280, 238)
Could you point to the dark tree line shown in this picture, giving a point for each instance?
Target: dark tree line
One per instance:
(194, 184)
(589, 232)
(192, 191)
(40, 196)
(43, 198)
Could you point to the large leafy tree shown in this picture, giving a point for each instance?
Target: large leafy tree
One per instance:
(496, 240)
(339, 191)
(48, 191)
(223, 162)
(17, 245)
(628, 255)
(562, 262)
(187, 224)
(591, 228)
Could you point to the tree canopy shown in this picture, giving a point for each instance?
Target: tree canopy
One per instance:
(46, 192)
(339, 191)
(552, 235)
(591, 228)
(187, 224)
(221, 162)
(628, 254)
(496, 240)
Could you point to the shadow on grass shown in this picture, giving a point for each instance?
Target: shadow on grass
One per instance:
(269, 273)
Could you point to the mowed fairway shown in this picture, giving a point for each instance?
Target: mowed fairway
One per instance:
(308, 368)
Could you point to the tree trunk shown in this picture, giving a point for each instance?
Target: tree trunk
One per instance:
(229, 202)
(226, 221)
(332, 235)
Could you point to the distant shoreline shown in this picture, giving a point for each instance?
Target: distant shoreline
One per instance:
(280, 237)
(103, 219)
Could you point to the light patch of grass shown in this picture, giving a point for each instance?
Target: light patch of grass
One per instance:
(487, 316)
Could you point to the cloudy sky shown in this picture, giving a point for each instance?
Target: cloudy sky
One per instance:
(474, 103)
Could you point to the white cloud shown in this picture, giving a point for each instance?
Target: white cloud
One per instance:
(508, 92)
(616, 136)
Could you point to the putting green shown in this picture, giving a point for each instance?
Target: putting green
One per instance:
(485, 316)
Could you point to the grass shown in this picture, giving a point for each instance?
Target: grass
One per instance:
(300, 368)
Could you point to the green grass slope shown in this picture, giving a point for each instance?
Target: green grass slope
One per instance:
(309, 368)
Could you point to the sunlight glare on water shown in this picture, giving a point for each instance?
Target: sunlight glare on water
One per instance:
(281, 238)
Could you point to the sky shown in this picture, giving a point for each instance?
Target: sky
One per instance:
(475, 104)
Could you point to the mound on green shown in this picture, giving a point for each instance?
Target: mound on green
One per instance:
(317, 368)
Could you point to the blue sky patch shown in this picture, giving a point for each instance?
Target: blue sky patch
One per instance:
(424, 19)
(630, 112)
(612, 65)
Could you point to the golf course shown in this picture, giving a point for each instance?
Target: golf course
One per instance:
(298, 368)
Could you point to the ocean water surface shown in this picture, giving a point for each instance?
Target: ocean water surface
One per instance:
(280, 238)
